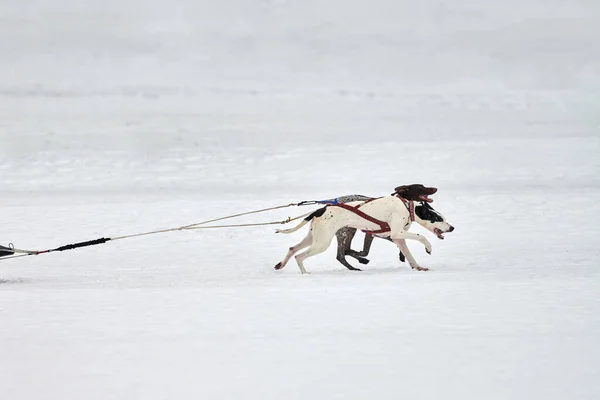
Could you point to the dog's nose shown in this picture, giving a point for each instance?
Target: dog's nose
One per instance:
(451, 228)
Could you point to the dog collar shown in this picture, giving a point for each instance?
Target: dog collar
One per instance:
(410, 205)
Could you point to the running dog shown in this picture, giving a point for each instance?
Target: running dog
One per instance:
(388, 216)
(344, 236)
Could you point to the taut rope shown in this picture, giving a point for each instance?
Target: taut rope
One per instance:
(199, 225)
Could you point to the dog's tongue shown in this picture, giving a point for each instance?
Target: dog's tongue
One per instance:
(425, 197)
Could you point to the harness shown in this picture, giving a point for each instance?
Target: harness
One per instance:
(410, 205)
(384, 227)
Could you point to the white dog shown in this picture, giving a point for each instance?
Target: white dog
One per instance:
(388, 216)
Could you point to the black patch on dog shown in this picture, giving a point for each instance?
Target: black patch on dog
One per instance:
(316, 214)
(427, 213)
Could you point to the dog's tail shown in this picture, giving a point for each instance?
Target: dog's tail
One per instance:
(305, 221)
(294, 229)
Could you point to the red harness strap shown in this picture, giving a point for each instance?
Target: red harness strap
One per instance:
(411, 207)
(383, 226)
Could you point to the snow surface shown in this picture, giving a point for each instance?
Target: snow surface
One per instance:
(120, 117)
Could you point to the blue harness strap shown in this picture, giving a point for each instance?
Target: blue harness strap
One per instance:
(330, 201)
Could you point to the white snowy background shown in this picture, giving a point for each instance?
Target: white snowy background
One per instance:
(120, 117)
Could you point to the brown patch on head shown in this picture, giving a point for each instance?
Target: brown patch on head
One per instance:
(415, 192)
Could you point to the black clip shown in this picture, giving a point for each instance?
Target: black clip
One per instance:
(7, 251)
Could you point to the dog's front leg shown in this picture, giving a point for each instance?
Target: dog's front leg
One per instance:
(360, 255)
(399, 236)
(367, 248)
(366, 245)
(411, 260)
(402, 234)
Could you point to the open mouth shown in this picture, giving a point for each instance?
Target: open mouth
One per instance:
(439, 233)
(426, 193)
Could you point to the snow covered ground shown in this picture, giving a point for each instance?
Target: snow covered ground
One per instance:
(120, 117)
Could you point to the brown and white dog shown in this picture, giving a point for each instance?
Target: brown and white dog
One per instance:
(389, 211)
(413, 192)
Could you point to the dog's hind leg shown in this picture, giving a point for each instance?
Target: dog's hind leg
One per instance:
(342, 259)
(294, 249)
(344, 239)
(319, 245)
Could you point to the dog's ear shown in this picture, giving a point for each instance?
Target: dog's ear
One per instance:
(413, 188)
(406, 188)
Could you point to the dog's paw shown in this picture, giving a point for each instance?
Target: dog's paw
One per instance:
(419, 268)
(427, 246)
(363, 260)
(279, 266)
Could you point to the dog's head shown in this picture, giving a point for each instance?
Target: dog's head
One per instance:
(415, 192)
(432, 220)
